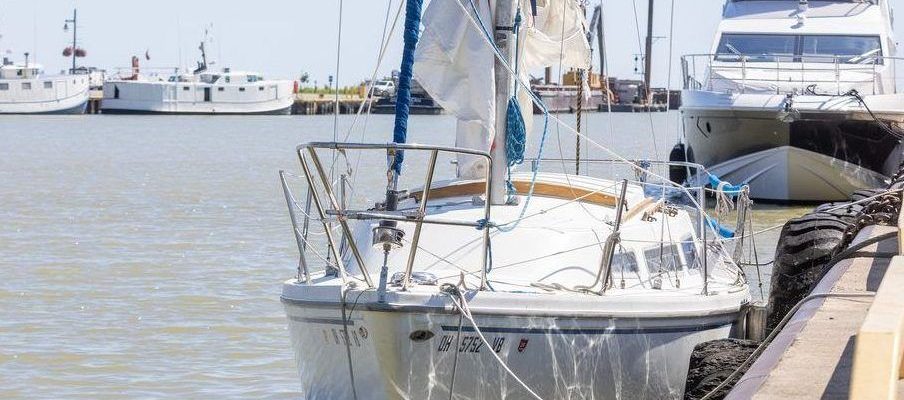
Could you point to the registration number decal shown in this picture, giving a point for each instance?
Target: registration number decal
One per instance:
(468, 344)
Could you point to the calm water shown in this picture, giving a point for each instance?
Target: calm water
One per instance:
(142, 257)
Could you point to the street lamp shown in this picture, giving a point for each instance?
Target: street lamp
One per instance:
(74, 22)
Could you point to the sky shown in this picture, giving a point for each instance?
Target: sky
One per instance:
(283, 38)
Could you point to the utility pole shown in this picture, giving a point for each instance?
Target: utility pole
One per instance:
(74, 22)
(648, 59)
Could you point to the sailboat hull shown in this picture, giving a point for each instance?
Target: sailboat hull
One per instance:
(413, 354)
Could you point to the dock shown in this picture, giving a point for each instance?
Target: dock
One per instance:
(94, 99)
(845, 340)
(318, 103)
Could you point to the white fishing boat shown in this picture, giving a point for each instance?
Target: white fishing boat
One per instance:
(798, 99)
(25, 89)
(492, 284)
(201, 92)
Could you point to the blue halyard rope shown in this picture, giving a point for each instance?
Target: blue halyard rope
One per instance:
(403, 94)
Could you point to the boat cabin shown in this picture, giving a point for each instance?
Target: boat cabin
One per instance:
(782, 46)
(19, 71)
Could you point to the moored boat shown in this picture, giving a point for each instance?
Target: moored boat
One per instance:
(201, 92)
(498, 284)
(25, 89)
(798, 99)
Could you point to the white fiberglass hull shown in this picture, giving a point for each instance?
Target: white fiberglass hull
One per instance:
(74, 103)
(789, 173)
(138, 97)
(399, 353)
(277, 107)
(823, 150)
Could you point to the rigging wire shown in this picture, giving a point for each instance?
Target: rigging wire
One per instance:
(668, 86)
(336, 103)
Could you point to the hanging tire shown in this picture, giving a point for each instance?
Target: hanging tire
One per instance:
(712, 362)
(806, 244)
(847, 212)
(866, 193)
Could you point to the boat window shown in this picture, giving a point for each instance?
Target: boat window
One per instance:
(220, 89)
(624, 262)
(185, 88)
(800, 48)
(848, 49)
(48, 85)
(261, 88)
(241, 89)
(4, 86)
(26, 85)
(689, 249)
(756, 47)
(662, 258)
(227, 79)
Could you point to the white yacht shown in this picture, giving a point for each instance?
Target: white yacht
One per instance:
(798, 99)
(201, 92)
(494, 285)
(25, 89)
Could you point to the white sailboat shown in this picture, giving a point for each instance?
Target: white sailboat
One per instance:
(493, 284)
(25, 89)
(203, 91)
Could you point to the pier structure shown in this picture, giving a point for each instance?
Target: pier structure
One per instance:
(318, 103)
(95, 97)
(845, 340)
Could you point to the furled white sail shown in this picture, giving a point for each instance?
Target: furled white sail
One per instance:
(454, 63)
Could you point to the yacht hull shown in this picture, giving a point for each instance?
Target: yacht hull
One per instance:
(817, 154)
(211, 111)
(411, 354)
(196, 98)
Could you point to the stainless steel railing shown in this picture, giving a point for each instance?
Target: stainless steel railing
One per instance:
(790, 73)
(331, 209)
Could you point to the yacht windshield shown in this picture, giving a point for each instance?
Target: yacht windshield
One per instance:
(851, 49)
(757, 47)
(800, 48)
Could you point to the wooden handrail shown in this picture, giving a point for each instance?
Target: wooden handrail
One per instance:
(522, 187)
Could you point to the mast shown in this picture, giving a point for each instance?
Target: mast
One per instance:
(505, 17)
(648, 60)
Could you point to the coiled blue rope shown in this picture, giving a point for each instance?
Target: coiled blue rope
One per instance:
(403, 94)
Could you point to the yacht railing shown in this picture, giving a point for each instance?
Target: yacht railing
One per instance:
(783, 74)
(157, 72)
(330, 208)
